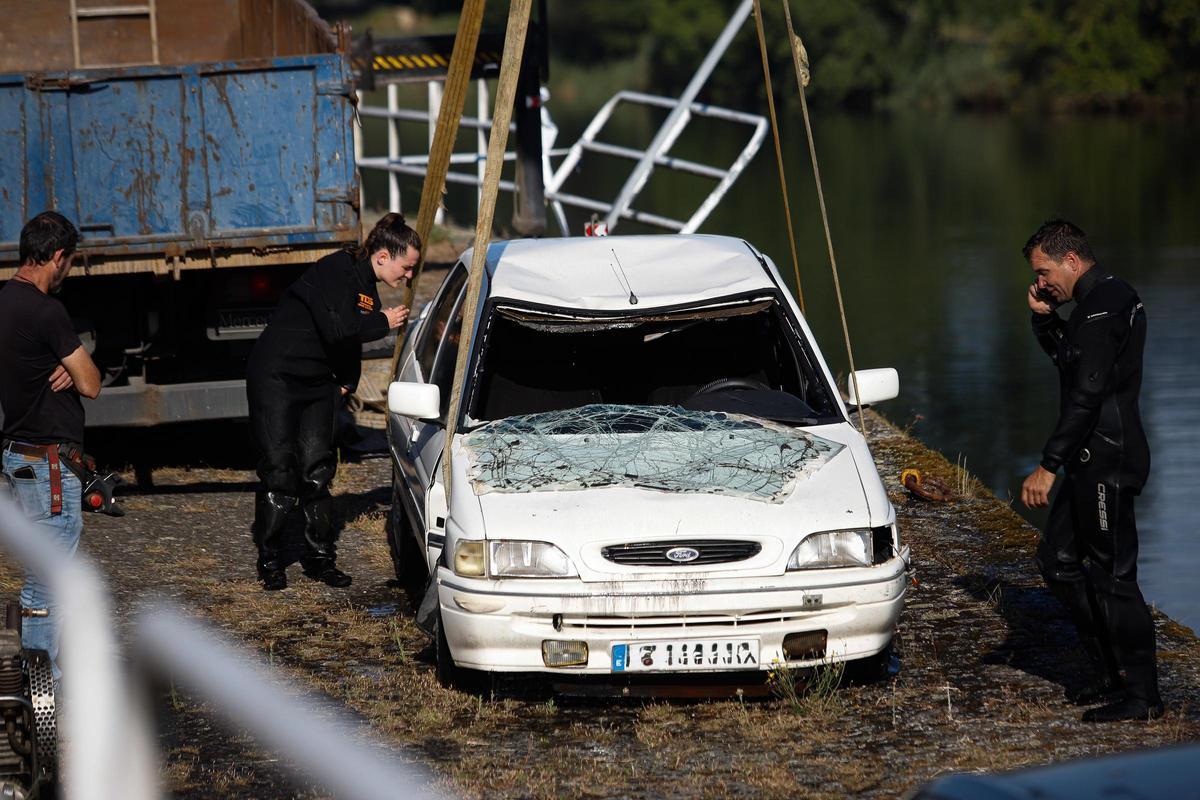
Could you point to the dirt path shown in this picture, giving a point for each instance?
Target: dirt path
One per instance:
(985, 655)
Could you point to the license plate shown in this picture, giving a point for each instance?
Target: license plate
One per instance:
(675, 655)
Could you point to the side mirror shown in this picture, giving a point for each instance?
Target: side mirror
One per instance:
(416, 400)
(874, 386)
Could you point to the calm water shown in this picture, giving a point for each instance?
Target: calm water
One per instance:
(929, 214)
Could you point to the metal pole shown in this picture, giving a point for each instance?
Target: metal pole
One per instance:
(678, 118)
(329, 750)
(435, 108)
(481, 111)
(393, 104)
(358, 147)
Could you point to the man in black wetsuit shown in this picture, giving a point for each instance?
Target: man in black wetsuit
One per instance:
(1088, 555)
(307, 359)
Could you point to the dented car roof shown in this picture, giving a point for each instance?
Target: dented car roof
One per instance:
(623, 273)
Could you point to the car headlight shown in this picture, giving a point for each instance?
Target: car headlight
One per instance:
(513, 559)
(833, 549)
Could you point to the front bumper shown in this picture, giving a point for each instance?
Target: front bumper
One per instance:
(499, 625)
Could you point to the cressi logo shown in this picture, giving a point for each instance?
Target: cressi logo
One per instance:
(1102, 505)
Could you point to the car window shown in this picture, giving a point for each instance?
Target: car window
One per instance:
(435, 323)
(746, 359)
(443, 366)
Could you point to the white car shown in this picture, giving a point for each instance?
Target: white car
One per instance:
(652, 471)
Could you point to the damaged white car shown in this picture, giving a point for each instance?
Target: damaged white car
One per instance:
(652, 471)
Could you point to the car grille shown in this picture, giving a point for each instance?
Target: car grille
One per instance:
(654, 554)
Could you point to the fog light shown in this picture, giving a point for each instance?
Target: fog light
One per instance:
(564, 654)
(468, 559)
(807, 646)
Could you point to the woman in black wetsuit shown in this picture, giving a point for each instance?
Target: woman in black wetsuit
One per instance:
(309, 358)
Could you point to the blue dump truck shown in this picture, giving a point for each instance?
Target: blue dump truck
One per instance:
(205, 150)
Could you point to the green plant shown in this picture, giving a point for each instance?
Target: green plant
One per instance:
(812, 692)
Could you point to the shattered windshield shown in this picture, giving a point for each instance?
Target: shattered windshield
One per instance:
(741, 356)
(652, 447)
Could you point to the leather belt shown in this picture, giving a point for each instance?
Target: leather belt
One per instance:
(50, 452)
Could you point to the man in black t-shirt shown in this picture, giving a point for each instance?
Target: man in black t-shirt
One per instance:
(44, 369)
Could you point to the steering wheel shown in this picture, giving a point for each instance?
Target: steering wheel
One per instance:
(725, 384)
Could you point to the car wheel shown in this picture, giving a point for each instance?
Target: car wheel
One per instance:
(409, 562)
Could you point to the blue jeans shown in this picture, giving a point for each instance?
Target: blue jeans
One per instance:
(32, 493)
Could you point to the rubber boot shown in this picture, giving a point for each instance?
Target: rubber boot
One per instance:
(1141, 700)
(320, 539)
(1079, 601)
(1130, 629)
(1105, 685)
(271, 511)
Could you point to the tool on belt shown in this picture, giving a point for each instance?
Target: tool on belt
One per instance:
(97, 489)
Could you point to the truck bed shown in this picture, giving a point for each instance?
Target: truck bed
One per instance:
(177, 135)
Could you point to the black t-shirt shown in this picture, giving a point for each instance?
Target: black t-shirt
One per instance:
(35, 336)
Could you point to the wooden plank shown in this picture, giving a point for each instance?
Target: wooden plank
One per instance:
(506, 93)
(454, 95)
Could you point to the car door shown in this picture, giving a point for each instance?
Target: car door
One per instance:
(409, 437)
(430, 439)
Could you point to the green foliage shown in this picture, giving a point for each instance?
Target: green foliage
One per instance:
(1090, 54)
(1095, 54)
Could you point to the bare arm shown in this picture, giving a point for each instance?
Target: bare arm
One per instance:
(83, 372)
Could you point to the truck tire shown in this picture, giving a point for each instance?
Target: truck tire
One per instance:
(407, 558)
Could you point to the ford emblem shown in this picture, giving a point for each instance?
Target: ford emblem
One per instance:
(683, 554)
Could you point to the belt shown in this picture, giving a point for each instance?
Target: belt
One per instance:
(50, 452)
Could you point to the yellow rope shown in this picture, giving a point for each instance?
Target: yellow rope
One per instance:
(800, 61)
(506, 93)
(458, 77)
(787, 209)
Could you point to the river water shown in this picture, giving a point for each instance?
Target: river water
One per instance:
(929, 213)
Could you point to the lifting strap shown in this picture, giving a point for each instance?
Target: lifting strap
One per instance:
(803, 74)
(787, 209)
(458, 77)
(506, 94)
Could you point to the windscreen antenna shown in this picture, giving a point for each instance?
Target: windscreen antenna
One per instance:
(623, 278)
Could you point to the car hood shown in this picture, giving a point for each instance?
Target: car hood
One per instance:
(831, 497)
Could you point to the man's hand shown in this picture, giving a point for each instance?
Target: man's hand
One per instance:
(1035, 492)
(396, 316)
(60, 379)
(1037, 304)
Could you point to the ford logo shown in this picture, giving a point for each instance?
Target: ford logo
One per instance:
(682, 554)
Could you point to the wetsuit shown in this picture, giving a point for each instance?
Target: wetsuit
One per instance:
(311, 348)
(1088, 555)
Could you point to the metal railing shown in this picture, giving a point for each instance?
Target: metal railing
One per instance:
(655, 156)
(111, 744)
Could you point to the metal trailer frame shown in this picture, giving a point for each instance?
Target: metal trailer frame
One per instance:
(682, 110)
(112, 748)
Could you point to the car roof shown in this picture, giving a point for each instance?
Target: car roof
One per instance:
(661, 271)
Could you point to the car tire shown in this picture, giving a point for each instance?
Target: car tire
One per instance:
(408, 561)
